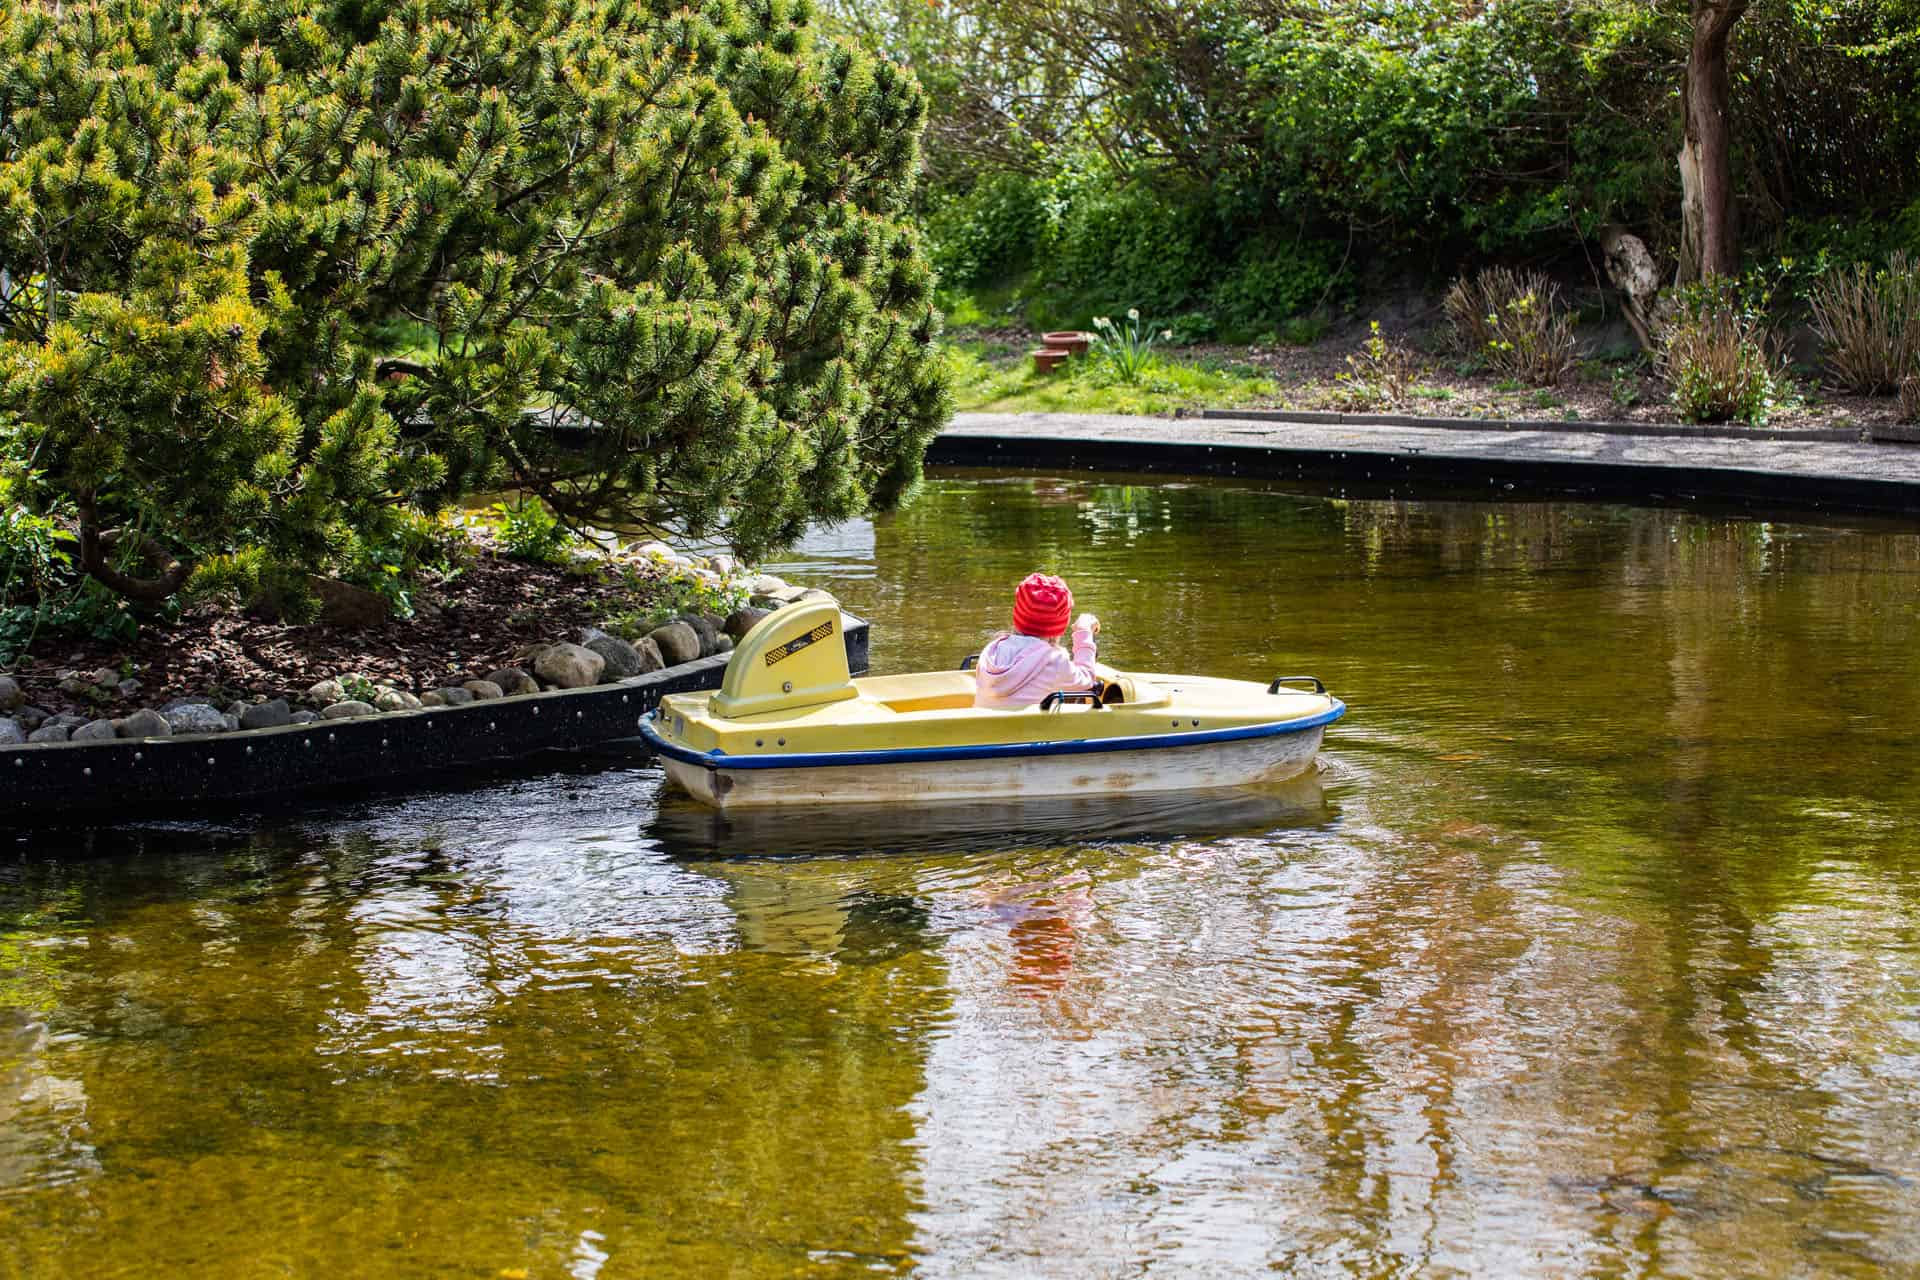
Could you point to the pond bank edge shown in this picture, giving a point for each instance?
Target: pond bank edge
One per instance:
(1387, 472)
(1828, 435)
(92, 783)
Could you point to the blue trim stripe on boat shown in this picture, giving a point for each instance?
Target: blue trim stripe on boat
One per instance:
(987, 751)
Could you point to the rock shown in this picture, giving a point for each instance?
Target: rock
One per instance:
(651, 659)
(741, 621)
(622, 659)
(569, 666)
(347, 710)
(513, 681)
(32, 717)
(236, 709)
(11, 697)
(815, 593)
(654, 550)
(231, 721)
(766, 584)
(723, 644)
(66, 720)
(303, 717)
(724, 565)
(73, 686)
(448, 698)
(267, 715)
(106, 677)
(92, 731)
(326, 693)
(704, 628)
(12, 733)
(345, 605)
(482, 690)
(145, 723)
(677, 643)
(129, 688)
(45, 733)
(194, 717)
(787, 595)
(396, 700)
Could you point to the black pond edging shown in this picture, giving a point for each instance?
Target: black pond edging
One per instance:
(1672, 430)
(1383, 472)
(87, 782)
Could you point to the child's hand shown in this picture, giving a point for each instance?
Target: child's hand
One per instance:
(1090, 622)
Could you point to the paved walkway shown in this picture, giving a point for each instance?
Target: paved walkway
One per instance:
(1880, 477)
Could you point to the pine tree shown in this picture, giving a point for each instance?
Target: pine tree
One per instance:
(653, 261)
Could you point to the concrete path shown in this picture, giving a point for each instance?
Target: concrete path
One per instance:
(1799, 473)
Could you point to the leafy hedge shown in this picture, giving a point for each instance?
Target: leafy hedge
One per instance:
(1249, 159)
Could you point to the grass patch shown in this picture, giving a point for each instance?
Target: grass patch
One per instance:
(996, 379)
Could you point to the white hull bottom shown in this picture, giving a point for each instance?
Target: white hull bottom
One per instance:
(1205, 766)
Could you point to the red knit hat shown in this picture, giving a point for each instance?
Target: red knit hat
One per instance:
(1042, 606)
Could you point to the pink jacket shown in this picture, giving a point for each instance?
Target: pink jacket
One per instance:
(1018, 671)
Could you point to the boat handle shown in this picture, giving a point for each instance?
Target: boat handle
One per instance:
(1054, 699)
(1280, 680)
(969, 662)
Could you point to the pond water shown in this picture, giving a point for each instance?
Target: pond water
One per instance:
(1594, 950)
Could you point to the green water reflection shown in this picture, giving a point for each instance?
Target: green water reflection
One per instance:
(1595, 950)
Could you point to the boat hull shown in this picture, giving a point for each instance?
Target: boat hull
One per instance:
(1086, 770)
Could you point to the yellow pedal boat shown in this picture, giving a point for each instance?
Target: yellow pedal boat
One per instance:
(791, 726)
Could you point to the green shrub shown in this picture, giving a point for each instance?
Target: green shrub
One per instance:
(1379, 376)
(1869, 324)
(527, 530)
(989, 233)
(1715, 355)
(1134, 244)
(1270, 282)
(1514, 322)
(653, 602)
(688, 225)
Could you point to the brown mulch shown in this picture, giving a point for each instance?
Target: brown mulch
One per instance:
(484, 618)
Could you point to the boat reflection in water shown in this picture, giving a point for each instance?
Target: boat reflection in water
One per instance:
(686, 829)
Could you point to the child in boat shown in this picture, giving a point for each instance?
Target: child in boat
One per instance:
(1020, 668)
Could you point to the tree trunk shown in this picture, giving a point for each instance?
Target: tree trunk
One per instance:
(1631, 268)
(96, 544)
(1709, 245)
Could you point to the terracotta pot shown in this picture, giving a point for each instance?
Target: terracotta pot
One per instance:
(1048, 359)
(1074, 342)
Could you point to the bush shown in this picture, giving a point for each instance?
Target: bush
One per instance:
(989, 233)
(1910, 398)
(527, 530)
(1271, 282)
(666, 599)
(1715, 354)
(1514, 321)
(1869, 323)
(1379, 376)
(1129, 244)
(688, 226)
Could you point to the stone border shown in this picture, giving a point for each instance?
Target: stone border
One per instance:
(88, 783)
(1830, 435)
(1385, 472)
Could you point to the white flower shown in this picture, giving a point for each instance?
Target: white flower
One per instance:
(1133, 313)
(1166, 335)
